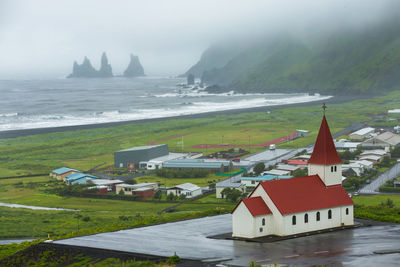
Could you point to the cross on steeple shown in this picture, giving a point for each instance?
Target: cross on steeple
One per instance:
(324, 107)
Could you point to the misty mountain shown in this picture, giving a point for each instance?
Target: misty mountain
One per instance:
(341, 62)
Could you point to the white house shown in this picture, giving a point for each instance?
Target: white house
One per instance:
(376, 152)
(106, 182)
(129, 188)
(365, 163)
(298, 205)
(362, 134)
(276, 172)
(187, 189)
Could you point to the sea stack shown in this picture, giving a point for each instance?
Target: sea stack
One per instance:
(134, 68)
(105, 69)
(190, 79)
(86, 70)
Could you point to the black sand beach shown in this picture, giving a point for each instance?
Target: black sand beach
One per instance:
(27, 132)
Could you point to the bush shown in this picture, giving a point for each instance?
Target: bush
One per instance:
(86, 219)
(174, 259)
(259, 168)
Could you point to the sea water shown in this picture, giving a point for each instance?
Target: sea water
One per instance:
(29, 104)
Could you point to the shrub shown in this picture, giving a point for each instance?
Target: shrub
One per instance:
(173, 259)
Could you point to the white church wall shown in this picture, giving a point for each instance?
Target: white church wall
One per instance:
(347, 219)
(314, 225)
(277, 219)
(243, 224)
(262, 230)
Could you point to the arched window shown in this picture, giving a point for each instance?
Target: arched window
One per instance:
(335, 168)
(329, 214)
(306, 218)
(347, 211)
(318, 216)
(294, 220)
(263, 222)
(331, 168)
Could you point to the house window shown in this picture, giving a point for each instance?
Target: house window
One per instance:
(347, 211)
(306, 218)
(318, 216)
(294, 220)
(263, 222)
(329, 214)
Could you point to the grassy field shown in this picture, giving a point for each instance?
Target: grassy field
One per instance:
(94, 215)
(175, 181)
(375, 200)
(84, 149)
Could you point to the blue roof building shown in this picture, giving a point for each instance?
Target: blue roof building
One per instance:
(79, 178)
(253, 181)
(61, 173)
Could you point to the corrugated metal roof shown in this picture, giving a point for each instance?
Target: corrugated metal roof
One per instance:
(186, 186)
(79, 175)
(192, 164)
(63, 170)
(364, 131)
(106, 182)
(140, 148)
(186, 160)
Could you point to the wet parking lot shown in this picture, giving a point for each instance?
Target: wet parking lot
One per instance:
(189, 239)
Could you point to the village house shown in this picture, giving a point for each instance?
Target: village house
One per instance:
(298, 205)
(187, 189)
(376, 152)
(111, 184)
(254, 181)
(362, 134)
(276, 172)
(228, 183)
(141, 190)
(385, 140)
(79, 178)
(61, 173)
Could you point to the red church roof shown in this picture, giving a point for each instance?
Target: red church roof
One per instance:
(324, 150)
(255, 205)
(304, 193)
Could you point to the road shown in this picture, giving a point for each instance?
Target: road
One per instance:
(373, 187)
(353, 247)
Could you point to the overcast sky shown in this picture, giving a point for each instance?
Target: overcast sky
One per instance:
(42, 38)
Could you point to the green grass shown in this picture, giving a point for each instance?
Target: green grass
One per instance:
(210, 179)
(375, 200)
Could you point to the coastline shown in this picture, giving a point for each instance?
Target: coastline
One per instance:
(36, 131)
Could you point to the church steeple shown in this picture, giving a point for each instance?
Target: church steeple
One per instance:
(324, 160)
(324, 150)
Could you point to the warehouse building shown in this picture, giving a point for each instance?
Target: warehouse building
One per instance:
(131, 157)
(211, 165)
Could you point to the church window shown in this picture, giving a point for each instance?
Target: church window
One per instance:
(347, 211)
(294, 220)
(331, 168)
(329, 214)
(263, 222)
(335, 168)
(306, 218)
(318, 216)
(261, 229)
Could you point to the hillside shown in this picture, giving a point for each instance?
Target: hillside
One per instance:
(343, 62)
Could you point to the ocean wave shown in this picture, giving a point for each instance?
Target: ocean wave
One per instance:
(185, 108)
(8, 114)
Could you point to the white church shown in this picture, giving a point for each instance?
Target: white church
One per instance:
(298, 205)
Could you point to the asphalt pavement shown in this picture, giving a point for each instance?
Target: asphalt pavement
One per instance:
(189, 239)
(373, 187)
